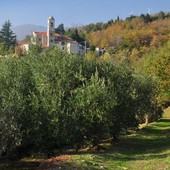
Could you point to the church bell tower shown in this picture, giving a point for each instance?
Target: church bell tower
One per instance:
(50, 31)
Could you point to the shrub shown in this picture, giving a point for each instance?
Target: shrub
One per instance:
(57, 100)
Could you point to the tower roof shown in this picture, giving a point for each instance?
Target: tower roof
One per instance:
(51, 17)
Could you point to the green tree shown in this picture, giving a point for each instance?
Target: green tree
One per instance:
(117, 19)
(74, 34)
(92, 48)
(161, 15)
(7, 36)
(34, 49)
(54, 100)
(146, 18)
(60, 29)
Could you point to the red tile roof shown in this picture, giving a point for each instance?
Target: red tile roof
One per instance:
(41, 33)
(68, 38)
(56, 35)
(61, 38)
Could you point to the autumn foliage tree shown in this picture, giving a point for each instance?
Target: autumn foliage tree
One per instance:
(157, 63)
(134, 33)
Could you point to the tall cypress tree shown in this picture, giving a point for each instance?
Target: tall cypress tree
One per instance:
(7, 37)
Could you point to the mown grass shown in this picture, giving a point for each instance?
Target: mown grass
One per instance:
(147, 149)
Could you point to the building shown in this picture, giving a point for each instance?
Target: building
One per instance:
(50, 38)
(24, 47)
(100, 51)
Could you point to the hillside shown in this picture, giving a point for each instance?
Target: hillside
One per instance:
(54, 103)
(132, 34)
(23, 30)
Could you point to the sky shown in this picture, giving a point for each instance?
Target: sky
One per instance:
(75, 12)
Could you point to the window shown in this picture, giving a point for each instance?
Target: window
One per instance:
(51, 24)
(51, 40)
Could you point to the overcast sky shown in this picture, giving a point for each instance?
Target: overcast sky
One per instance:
(75, 12)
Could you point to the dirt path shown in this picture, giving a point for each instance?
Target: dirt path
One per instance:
(60, 162)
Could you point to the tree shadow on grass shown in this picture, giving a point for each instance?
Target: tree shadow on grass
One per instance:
(146, 144)
(152, 142)
(164, 120)
(149, 140)
(59, 162)
(18, 165)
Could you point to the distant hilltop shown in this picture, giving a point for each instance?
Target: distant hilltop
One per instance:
(22, 31)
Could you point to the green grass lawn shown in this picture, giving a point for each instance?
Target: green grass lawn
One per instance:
(147, 149)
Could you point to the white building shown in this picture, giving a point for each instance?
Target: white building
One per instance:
(50, 38)
(75, 48)
(24, 47)
(100, 51)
